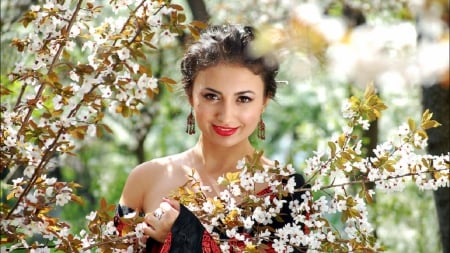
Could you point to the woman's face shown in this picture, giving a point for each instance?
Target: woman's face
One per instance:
(228, 101)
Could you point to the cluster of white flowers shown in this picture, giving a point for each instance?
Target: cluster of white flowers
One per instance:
(25, 218)
(52, 20)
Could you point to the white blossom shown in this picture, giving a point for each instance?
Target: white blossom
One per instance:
(29, 171)
(146, 82)
(123, 53)
(91, 215)
(241, 164)
(208, 207)
(248, 222)
(63, 198)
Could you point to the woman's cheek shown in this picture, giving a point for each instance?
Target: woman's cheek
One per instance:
(250, 119)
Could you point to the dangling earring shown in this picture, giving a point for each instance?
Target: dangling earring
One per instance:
(261, 129)
(190, 126)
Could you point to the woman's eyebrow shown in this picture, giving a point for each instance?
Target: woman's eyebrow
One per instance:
(244, 92)
(236, 94)
(213, 90)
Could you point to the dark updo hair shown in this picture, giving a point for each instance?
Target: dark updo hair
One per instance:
(230, 44)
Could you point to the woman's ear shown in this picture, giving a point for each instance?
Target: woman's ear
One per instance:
(265, 103)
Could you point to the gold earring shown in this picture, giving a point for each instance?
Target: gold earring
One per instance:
(261, 129)
(190, 126)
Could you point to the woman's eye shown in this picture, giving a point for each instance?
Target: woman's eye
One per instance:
(244, 99)
(211, 96)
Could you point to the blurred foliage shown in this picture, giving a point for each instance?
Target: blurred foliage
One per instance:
(412, 214)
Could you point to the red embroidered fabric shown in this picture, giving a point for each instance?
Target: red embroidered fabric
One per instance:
(208, 245)
(164, 248)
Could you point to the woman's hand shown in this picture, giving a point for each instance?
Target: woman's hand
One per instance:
(160, 222)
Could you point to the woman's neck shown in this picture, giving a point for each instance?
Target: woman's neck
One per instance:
(217, 160)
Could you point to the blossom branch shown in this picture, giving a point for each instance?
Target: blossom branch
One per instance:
(49, 152)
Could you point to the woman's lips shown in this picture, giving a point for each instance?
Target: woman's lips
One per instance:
(224, 131)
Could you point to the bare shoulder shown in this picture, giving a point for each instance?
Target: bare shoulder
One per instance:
(150, 181)
(160, 164)
(165, 168)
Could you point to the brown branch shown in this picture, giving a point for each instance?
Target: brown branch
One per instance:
(114, 240)
(111, 241)
(50, 69)
(378, 180)
(50, 151)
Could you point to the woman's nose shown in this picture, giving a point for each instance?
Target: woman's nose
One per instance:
(225, 112)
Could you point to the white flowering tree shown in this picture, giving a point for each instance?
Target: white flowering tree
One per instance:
(54, 100)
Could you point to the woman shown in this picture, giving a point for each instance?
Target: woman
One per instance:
(228, 89)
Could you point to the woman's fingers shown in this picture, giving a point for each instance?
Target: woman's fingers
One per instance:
(170, 214)
(174, 204)
(160, 222)
(156, 229)
(151, 219)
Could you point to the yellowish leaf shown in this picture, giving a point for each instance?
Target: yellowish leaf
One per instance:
(195, 33)
(177, 7)
(84, 69)
(389, 167)
(346, 156)
(181, 17)
(422, 134)
(332, 147)
(103, 203)
(167, 80)
(199, 24)
(4, 91)
(352, 212)
(426, 115)
(341, 140)
(143, 69)
(430, 124)
(368, 197)
(77, 199)
(10, 195)
(53, 77)
(232, 177)
(412, 124)
(370, 90)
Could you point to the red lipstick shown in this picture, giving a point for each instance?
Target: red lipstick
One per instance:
(224, 131)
